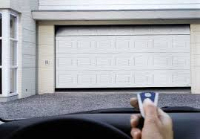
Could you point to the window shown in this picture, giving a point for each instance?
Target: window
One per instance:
(13, 53)
(8, 52)
(13, 62)
(0, 53)
(13, 80)
(0, 25)
(13, 20)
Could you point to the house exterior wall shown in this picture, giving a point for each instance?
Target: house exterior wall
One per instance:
(46, 35)
(46, 54)
(195, 58)
(4, 3)
(116, 4)
(27, 47)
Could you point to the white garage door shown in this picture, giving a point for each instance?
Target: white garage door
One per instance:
(116, 56)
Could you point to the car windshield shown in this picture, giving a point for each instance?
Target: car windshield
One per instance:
(61, 57)
(79, 101)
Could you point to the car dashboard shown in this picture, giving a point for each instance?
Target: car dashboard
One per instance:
(185, 125)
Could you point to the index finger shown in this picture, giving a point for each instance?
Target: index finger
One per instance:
(134, 102)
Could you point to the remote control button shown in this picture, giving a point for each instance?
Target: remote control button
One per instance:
(147, 94)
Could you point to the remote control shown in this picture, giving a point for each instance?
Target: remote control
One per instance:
(142, 96)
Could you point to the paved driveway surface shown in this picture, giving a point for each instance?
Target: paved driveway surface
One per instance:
(63, 103)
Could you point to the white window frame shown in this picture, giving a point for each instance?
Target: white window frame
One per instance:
(15, 67)
(6, 46)
(1, 54)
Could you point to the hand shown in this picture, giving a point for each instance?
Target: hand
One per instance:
(157, 123)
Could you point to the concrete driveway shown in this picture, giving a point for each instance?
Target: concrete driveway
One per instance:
(63, 103)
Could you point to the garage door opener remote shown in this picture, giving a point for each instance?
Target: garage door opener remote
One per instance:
(144, 95)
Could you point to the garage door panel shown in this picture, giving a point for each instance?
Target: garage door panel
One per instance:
(181, 43)
(130, 61)
(65, 79)
(142, 56)
(96, 79)
(162, 43)
(121, 44)
(182, 77)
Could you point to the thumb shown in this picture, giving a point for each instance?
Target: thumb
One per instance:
(164, 117)
(150, 110)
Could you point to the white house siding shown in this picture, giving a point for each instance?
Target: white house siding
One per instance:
(4, 3)
(116, 4)
(27, 61)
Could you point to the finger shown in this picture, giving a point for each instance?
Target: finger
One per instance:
(135, 120)
(134, 102)
(162, 113)
(164, 118)
(150, 110)
(136, 133)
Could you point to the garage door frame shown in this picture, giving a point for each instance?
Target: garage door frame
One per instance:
(46, 76)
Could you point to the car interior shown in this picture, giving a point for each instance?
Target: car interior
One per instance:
(105, 123)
